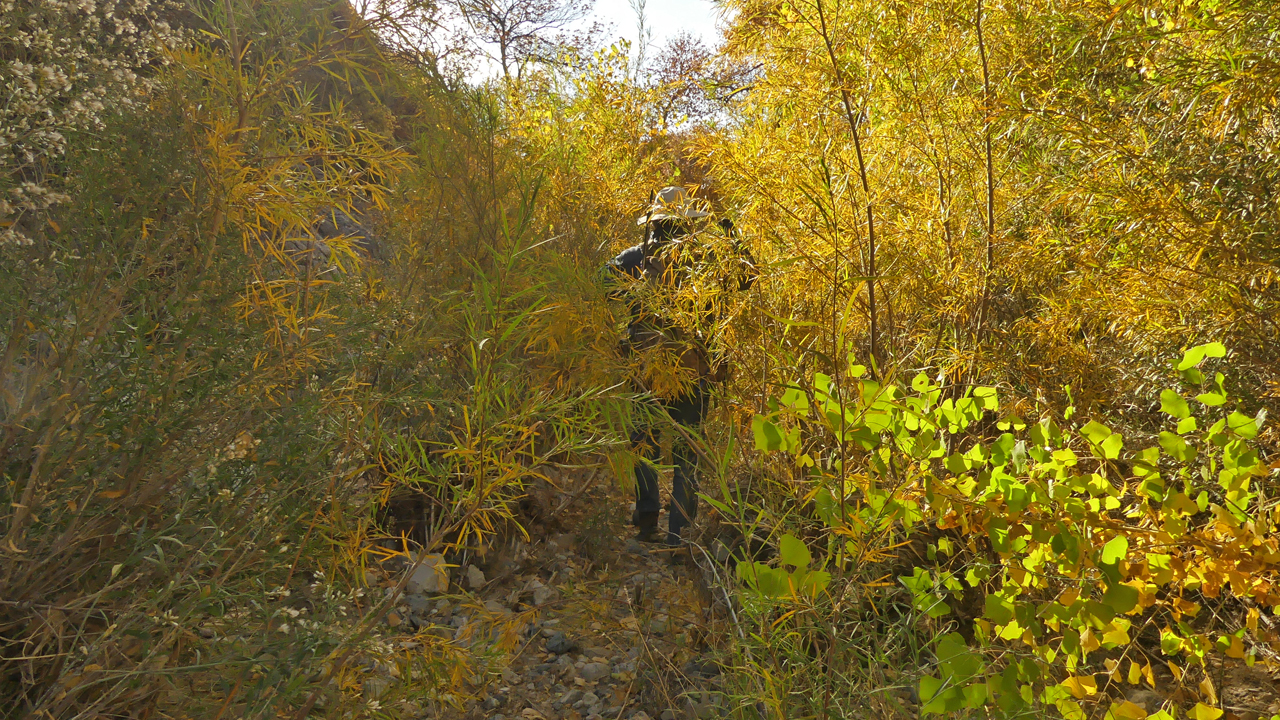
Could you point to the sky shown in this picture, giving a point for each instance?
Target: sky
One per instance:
(665, 18)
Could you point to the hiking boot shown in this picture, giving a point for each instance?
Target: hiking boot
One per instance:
(648, 528)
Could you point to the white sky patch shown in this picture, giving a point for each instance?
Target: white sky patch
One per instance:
(665, 18)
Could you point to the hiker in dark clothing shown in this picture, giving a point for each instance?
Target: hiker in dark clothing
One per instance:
(673, 273)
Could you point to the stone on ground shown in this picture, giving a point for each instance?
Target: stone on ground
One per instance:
(431, 576)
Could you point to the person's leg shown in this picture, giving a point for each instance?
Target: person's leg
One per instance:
(688, 412)
(648, 502)
(684, 490)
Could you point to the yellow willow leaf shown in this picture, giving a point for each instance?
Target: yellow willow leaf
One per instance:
(1208, 691)
(1204, 712)
(1088, 641)
(1081, 686)
(1135, 673)
(1236, 650)
(1116, 635)
(1129, 711)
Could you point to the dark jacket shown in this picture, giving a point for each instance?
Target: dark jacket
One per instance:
(664, 266)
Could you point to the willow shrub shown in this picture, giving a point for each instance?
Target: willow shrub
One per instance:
(1063, 562)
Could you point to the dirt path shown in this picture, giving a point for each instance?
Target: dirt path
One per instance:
(581, 623)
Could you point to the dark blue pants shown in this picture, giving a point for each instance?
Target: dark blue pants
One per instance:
(687, 410)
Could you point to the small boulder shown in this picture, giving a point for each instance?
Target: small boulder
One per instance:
(594, 671)
(475, 577)
(430, 576)
(559, 643)
(658, 624)
(543, 595)
(420, 604)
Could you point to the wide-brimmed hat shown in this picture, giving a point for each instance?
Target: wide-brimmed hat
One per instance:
(672, 202)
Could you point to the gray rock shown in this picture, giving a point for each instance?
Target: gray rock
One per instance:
(563, 541)
(420, 604)
(495, 607)
(658, 624)
(571, 697)
(559, 643)
(543, 595)
(594, 671)
(641, 715)
(432, 576)
(308, 253)
(475, 577)
(667, 714)
(705, 668)
(590, 699)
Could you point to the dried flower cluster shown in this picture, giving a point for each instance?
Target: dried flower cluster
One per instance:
(63, 65)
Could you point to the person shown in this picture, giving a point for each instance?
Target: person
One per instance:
(669, 282)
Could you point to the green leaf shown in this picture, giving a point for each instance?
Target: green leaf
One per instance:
(1186, 425)
(1242, 425)
(724, 509)
(1111, 446)
(796, 399)
(1120, 598)
(929, 687)
(793, 551)
(1096, 432)
(1177, 448)
(1174, 404)
(987, 397)
(1212, 399)
(812, 582)
(1194, 355)
(770, 582)
(1115, 550)
(999, 610)
(768, 436)
(975, 696)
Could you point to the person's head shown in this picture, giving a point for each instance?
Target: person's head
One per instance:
(668, 229)
(671, 215)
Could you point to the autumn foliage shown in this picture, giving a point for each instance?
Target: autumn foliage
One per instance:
(995, 441)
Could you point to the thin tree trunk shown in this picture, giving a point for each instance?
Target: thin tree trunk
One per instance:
(991, 178)
(852, 117)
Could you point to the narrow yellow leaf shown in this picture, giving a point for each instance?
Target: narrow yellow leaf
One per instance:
(1129, 711)
(1204, 712)
(1208, 691)
(1135, 673)
(1081, 686)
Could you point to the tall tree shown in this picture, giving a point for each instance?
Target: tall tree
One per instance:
(525, 30)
